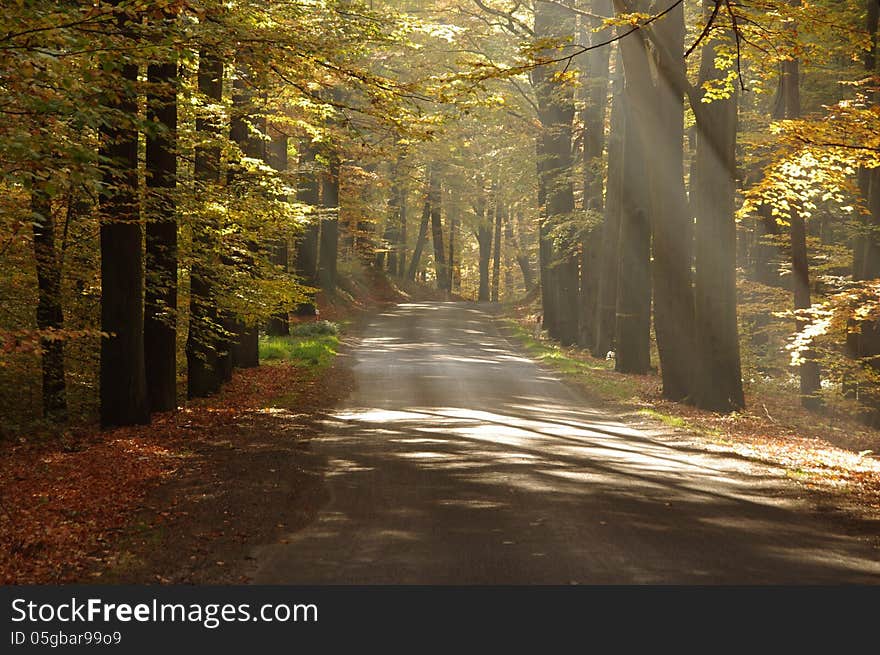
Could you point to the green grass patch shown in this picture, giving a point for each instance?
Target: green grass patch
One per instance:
(591, 373)
(666, 419)
(315, 352)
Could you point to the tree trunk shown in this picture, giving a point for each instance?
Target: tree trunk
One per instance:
(202, 346)
(595, 81)
(863, 337)
(423, 236)
(496, 254)
(810, 376)
(719, 377)
(307, 243)
(484, 244)
(122, 372)
(437, 230)
(522, 255)
(555, 98)
(672, 222)
(277, 158)
(329, 241)
(453, 232)
(633, 309)
(245, 351)
(401, 234)
(160, 302)
(633, 354)
(606, 299)
(50, 316)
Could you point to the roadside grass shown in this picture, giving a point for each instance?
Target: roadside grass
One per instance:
(596, 376)
(311, 352)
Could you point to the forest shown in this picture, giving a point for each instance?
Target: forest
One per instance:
(686, 189)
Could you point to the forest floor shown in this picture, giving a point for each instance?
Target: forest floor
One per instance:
(180, 499)
(831, 454)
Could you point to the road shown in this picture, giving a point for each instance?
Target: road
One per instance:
(457, 460)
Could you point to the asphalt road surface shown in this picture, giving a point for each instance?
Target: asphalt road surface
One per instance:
(457, 460)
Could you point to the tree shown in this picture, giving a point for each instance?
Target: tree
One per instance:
(123, 383)
(554, 91)
(204, 375)
(719, 376)
(50, 315)
(633, 312)
(160, 301)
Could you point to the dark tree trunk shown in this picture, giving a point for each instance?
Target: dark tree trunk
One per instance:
(863, 337)
(508, 238)
(556, 113)
(277, 158)
(672, 222)
(307, 243)
(453, 232)
(606, 299)
(496, 252)
(204, 375)
(546, 269)
(633, 354)
(633, 309)
(484, 243)
(50, 316)
(522, 254)
(160, 301)
(595, 80)
(440, 268)
(401, 234)
(245, 350)
(393, 224)
(122, 373)
(810, 376)
(766, 250)
(719, 376)
(423, 236)
(329, 241)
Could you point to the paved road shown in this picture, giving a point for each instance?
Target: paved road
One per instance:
(456, 460)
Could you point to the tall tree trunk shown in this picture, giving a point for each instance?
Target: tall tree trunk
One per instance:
(522, 254)
(546, 269)
(555, 98)
(672, 222)
(422, 237)
(633, 309)
(437, 229)
(277, 157)
(307, 243)
(595, 80)
(401, 233)
(123, 380)
(511, 252)
(329, 240)
(202, 346)
(50, 316)
(606, 299)
(160, 301)
(719, 376)
(496, 253)
(863, 337)
(245, 349)
(633, 354)
(453, 233)
(393, 223)
(484, 244)
(810, 376)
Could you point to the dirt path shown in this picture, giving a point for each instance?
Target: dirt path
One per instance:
(456, 460)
